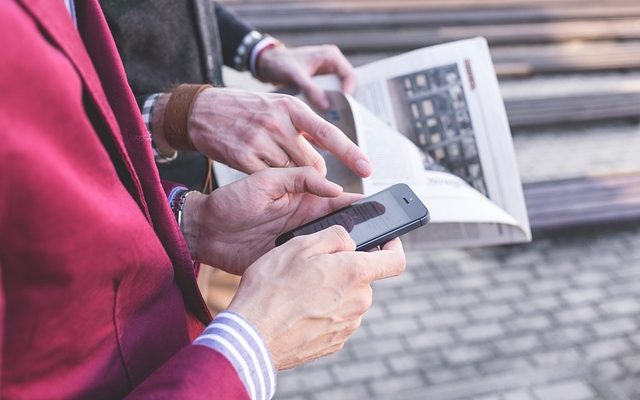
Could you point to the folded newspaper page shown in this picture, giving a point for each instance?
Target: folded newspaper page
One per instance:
(434, 119)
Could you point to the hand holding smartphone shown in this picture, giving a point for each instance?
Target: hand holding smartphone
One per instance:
(374, 220)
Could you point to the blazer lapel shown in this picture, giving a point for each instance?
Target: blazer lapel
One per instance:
(55, 20)
(127, 132)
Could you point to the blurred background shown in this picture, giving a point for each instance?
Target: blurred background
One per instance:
(558, 318)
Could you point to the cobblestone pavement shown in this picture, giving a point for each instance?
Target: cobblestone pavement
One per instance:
(555, 319)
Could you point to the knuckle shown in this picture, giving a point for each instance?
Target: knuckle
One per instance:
(288, 103)
(269, 123)
(322, 132)
(356, 275)
(299, 243)
(363, 303)
(331, 48)
(342, 238)
(244, 158)
(318, 163)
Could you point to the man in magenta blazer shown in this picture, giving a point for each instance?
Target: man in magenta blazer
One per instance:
(98, 296)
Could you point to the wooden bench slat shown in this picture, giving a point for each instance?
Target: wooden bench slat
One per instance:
(572, 109)
(520, 61)
(371, 40)
(290, 7)
(348, 20)
(583, 201)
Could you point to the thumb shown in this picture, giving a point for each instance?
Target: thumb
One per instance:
(302, 180)
(333, 239)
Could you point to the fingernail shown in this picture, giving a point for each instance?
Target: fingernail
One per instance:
(324, 103)
(363, 167)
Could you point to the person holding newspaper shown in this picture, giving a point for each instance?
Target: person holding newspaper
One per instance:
(98, 297)
(166, 42)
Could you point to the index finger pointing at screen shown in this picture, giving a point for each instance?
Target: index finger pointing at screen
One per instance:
(330, 138)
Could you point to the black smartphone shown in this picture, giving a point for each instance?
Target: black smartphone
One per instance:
(373, 220)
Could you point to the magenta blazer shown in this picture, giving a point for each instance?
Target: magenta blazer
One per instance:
(98, 296)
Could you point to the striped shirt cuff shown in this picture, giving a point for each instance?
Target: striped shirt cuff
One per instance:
(147, 109)
(234, 337)
(174, 192)
(265, 42)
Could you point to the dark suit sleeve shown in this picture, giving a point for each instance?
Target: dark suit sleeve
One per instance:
(232, 31)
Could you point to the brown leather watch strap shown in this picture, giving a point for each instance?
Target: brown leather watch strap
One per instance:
(176, 115)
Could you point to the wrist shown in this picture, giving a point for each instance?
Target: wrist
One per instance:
(190, 221)
(259, 57)
(157, 123)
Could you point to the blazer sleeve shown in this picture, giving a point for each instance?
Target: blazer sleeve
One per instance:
(205, 366)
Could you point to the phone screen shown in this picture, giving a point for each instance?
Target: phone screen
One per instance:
(365, 220)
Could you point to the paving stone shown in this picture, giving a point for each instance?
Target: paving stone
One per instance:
(490, 312)
(401, 363)
(575, 315)
(376, 347)
(455, 300)
(566, 335)
(375, 312)
(489, 397)
(567, 390)
(615, 327)
(591, 278)
(506, 292)
(394, 325)
(466, 282)
(582, 296)
(600, 258)
(427, 289)
(556, 269)
(503, 364)
(359, 371)
(528, 323)
(466, 354)
(475, 266)
(444, 375)
(480, 332)
(635, 339)
(623, 288)
(606, 349)
(530, 257)
(518, 395)
(346, 392)
(540, 286)
(428, 340)
(517, 344)
(303, 381)
(513, 275)
(631, 363)
(628, 272)
(610, 370)
(557, 357)
(385, 293)
(441, 319)
(397, 384)
(537, 304)
(621, 306)
(409, 306)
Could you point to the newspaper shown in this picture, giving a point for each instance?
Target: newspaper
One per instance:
(434, 119)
